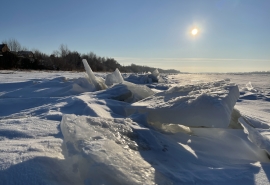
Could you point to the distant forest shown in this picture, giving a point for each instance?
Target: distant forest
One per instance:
(14, 56)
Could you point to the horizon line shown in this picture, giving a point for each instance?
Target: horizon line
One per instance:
(191, 59)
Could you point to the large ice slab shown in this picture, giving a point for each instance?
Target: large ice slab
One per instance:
(154, 76)
(114, 77)
(122, 151)
(206, 104)
(102, 150)
(97, 82)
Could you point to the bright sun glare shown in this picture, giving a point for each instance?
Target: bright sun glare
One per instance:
(194, 31)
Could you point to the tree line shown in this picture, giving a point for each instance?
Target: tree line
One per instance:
(63, 59)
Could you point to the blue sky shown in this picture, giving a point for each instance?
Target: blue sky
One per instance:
(233, 35)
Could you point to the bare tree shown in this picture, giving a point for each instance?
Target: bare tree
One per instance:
(64, 51)
(56, 53)
(13, 45)
(23, 48)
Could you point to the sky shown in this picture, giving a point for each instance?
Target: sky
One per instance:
(233, 35)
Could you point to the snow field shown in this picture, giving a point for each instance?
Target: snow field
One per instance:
(55, 128)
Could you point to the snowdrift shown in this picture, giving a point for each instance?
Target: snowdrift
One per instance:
(207, 104)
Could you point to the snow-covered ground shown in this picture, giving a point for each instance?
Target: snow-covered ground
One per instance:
(56, 128)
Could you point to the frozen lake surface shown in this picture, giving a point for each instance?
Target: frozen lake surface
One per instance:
(56, 128)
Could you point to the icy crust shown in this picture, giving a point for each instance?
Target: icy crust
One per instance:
(103, 150)
(206, 104)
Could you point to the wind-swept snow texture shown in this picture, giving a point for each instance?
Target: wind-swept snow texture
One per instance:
(254, 135)
(56, 128)
(206, 104)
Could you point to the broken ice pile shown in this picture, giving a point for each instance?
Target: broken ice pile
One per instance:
(145, 78)
(198, 105)
(123, 91)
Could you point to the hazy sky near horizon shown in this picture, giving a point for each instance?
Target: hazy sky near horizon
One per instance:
(234, 36)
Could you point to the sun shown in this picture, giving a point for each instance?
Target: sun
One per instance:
(194, 31)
